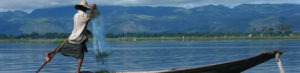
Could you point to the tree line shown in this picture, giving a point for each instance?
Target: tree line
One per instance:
(55, 35)
(267, 31)
(35, 35)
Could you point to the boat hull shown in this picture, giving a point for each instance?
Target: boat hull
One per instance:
(237, 66)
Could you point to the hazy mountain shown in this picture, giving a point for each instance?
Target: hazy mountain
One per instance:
(118, 19)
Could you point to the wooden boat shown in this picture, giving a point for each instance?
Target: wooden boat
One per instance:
(237, 66)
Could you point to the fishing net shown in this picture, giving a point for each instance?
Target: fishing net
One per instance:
(99, 41)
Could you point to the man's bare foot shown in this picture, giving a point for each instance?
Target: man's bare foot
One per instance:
(47, 57)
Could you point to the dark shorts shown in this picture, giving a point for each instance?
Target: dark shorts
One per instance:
(74, 50)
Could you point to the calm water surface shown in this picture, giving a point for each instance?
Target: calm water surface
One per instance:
(147, 56)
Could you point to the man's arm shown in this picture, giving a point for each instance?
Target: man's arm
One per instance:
(89, 16)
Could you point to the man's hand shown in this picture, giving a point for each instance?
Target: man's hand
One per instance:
(92, 10)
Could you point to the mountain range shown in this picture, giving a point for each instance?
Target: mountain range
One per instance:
(138, 19)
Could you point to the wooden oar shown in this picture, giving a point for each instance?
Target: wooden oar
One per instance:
(51, 56)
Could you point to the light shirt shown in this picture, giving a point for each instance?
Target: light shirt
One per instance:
(79, 33)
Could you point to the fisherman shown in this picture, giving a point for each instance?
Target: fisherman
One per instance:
(75, 45)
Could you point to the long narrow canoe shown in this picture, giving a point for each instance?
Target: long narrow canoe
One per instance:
(237, 66)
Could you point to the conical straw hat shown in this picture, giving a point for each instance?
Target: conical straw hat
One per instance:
(82, 3)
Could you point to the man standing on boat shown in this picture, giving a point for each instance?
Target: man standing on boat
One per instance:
(75, 45)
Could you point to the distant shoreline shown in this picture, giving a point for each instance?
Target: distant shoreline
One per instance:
(139, 39)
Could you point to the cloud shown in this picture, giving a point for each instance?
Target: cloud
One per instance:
(28, 5)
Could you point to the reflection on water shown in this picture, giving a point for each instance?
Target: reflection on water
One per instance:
(146, 56)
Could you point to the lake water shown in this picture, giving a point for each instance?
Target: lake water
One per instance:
(148, 56)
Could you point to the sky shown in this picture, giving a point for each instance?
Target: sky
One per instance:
(29, 5)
